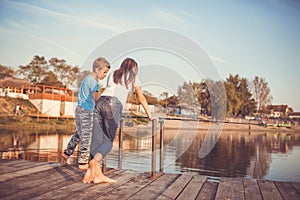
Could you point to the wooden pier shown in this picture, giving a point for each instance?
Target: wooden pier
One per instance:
(22, 179)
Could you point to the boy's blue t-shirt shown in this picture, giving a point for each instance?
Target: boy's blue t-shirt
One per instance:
(85, 97)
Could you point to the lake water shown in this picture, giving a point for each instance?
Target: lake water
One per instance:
(263, 155)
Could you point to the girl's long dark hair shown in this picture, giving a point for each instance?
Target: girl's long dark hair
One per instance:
(125, 71)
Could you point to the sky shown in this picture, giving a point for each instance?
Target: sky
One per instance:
(248, 38)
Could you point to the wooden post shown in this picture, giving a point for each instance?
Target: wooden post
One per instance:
(104, 165)
(153, 168)
(161, 159)
(120, 145)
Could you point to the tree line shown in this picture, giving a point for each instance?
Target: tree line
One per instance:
(40, 71)
(243, 97)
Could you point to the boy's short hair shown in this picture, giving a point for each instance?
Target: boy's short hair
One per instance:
(100, 63)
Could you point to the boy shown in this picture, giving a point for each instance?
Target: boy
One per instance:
(84, 113)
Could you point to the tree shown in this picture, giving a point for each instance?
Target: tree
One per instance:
(205, 101)
(60, 68)
(73, 76)
(195, 94)
(261, 93)
(36, 70)
(51, 79)
(164, 95)
(209, 96)
(218, 99)
(239, 101)
(187, 93)
(150, 98)
(248, 107)
(234, 101)
(65, 73)
(6, 72)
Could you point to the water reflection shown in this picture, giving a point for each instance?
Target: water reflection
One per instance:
(37, 145)
(268, 155)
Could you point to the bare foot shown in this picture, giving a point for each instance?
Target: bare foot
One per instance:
(90, 173)
(99, 176)
(83, 166)
(88, 176)
(66, 158)
(103, 179)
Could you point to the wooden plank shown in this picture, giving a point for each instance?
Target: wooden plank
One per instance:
(33, 180)
(63, 191)
(6, 160)
(7, 176)
(208, 191)
(192, 189)
(27, 187)
(287, 190)
(175, 189)
(230, 188)
(156, 187)
(126, 188)
(97, 190)
(269, 190)
(11, 162)
(66, 190)
(296, 185)
(251, 189)
(16, 165)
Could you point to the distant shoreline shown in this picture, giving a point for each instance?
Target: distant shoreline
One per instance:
(227, 127)
(19, 122)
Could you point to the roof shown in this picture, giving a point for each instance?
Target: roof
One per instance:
(14, 82)
(278, 108)
(294, 114)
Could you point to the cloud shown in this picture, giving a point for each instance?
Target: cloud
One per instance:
(63, 16)
(168, 17)
(5, 30)
(13, 23)
(220, 60)
(54, 43)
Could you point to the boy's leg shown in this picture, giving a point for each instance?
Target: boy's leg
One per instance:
(75, 139)
(85, 139)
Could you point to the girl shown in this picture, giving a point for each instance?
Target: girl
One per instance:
(107, 115)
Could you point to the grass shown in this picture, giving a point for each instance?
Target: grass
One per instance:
(13, 122)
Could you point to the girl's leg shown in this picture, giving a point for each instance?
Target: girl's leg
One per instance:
(99, 177)
(94, 172)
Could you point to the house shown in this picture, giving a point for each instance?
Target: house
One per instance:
(294, 115)
(277, 111)
(53, 101)
(50, 101)
(15, 88)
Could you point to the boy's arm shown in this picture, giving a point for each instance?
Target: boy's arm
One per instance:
(97, 94)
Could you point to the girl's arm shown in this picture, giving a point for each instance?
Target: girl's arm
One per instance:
(143, 101)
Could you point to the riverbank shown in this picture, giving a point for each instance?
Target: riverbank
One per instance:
(8, 119)
(228, 126)
(14, 121)
(17, 122)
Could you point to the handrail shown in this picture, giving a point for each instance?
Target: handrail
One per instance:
(161, 146)
(120, 145)
(153, 165)
(153, 135)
